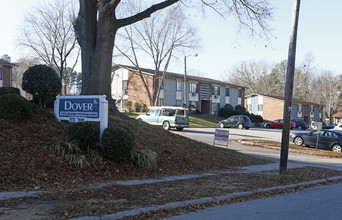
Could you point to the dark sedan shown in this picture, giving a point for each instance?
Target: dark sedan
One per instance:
(327, 139)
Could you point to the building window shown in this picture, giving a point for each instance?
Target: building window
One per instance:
(249, 108)
(227, 91)
(125, 86)
(239, 93)
(179, 86)
(160, 102)
(193, 88)
(216, 90)
(179, 102)
(260, 107)
(0, 73)
(300, 108)
(162, 83)
(216, 108)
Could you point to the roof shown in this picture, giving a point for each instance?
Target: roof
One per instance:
(181, 76)
(337, 115)
(297, 101)
(6, 63)
(167, 107)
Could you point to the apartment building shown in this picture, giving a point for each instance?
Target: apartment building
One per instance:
(207, 95)
(272, 108)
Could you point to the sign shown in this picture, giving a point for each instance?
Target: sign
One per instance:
(221, 135)
(83, 108)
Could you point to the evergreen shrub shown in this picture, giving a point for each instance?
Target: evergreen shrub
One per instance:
(85, 134)
(117, 142)
(9, 90)
(14, 106)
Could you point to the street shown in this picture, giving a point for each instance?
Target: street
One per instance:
(323, 202)
(206, 135)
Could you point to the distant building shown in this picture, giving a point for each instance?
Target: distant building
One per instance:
(272, 108)
(207, 95)
(6, 73)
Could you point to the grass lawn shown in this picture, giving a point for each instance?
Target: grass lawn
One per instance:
(199, 120)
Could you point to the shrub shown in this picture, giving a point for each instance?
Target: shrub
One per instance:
(144, 108)
(229, 107)
(43, 83)
(117, 143)
(137, 107)
(14, 106)
(9, 90)
(85, 134)
(144, 158)
(240, 109)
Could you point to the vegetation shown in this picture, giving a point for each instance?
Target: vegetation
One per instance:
(228, 111)
(145, 158)
(14, 106)
(43, 83)
(117, 142)
(9, 90)
(85, 134)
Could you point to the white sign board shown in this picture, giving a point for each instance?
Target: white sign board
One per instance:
(83, 108)
(221, 135)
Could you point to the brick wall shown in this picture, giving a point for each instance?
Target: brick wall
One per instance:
(272, 109)
(6, 76)
(136, 88)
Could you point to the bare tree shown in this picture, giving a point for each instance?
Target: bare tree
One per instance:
(160, 38)
(251, 74)
(97, 25)
(48, 33)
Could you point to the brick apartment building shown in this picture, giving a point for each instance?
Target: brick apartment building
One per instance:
(271, 108)
(5, 73)
(207, 95)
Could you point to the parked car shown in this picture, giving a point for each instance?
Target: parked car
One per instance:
(238, 121)
(300, 124)
(338, 126)
(329, 126)
(327, 139)
(167, 116)
(278, 124)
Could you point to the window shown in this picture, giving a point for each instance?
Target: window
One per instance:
(160, 102)
(216, 90)
(193, 88)
(162, 84)
(300, 107)
(0, 73)
(216, 108)
(179, 86)
(260, 107)
(239, 93)
(125, 86)
(249, 108)
(227, 91)
(179, 102)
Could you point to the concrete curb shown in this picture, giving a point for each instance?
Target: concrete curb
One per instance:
(200, 201)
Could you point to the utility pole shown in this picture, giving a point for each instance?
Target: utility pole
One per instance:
(289, 89)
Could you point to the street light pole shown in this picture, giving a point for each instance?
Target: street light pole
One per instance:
(195, 55)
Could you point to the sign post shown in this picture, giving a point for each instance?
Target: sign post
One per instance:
(83, 108)
(318, 126)
(221, 136)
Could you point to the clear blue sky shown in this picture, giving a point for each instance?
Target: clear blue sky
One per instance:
(222, 46)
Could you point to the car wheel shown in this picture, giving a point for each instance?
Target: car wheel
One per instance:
(166, 125)
(300, 127)
(221, 125)
(240, 126)
(268, 126)
(298, 141)
(336, 148)
(179, 129)
(246, 128)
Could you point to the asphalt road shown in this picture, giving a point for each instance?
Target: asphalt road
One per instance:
(206, 135)
(322, 202)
